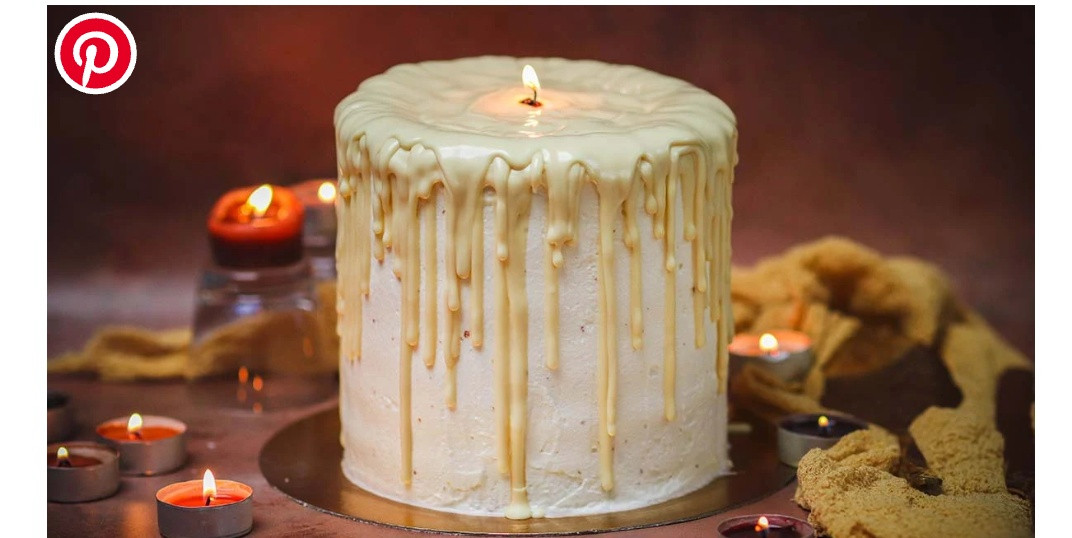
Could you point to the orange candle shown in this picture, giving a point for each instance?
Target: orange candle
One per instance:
(135, 429)
(205, 492)
(147, 445)
(63, 458)
(206, 507)
(257, 226)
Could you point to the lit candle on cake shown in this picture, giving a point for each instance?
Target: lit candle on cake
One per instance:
(786, 354)
(256, 227)
(497, 213)
(206, 508)
(147, 445)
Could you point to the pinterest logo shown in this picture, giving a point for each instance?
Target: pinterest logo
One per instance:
(95, 53)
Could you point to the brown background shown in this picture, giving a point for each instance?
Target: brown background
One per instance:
(909, 129)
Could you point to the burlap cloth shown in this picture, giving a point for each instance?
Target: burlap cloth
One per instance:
(864, 313)
(293, 342)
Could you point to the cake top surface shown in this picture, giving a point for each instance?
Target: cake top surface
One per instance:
(589, 110)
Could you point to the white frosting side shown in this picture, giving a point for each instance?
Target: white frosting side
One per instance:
(592, 377)
(454, 457)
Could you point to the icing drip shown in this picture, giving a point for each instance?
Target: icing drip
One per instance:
(640, 139)
(429, 335)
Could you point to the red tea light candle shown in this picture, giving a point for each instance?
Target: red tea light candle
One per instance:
(206, 508)
(80, 472)
(786, 354)
(256, 227)
(148, 445)
(765, 526)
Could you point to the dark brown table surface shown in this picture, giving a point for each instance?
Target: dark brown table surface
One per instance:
(229, 442)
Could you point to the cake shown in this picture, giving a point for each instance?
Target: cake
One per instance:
(533, 291)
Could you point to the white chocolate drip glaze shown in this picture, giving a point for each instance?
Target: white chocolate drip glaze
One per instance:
(456, 129)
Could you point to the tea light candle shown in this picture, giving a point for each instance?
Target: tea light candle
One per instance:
(205, 508)
(256, 227)
(59, 417)
(797, 434)
(80, 472)
(765, 526)
(148, 445)
(786, 354)
(318, 199)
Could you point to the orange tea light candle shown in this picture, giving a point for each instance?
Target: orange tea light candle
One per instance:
(147, 445)
(786, 354)
(206, 508)
(257, 226)
(80, 472)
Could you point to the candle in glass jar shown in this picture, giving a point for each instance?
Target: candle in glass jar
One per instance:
(147, 445)
(256, 227)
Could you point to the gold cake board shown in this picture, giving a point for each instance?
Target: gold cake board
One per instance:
(303, 460)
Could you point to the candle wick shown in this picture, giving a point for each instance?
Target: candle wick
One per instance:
(532, 101)
(64, 462)
(135, 436)
(208, 500)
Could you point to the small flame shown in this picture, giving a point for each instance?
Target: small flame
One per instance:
(823, 421)
(134, 424)
(61, 454)
(326, 192)
(529, 78)
(258, 383)
(208, 487)
(243, 374)
(768, 343)
(259, 200)
(762, 524)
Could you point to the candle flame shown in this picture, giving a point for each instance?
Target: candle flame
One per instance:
(823, 421)
(134, 424)
(768, 343)
(61, 454)
(243, 374)
(258, 383)
(762, 524)
(529, 78)
(260, 199)
(326, 192)
(208, 487)
(532, 82)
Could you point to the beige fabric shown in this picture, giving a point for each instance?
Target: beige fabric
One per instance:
(292, 342)
(862, 312)
(851, 490)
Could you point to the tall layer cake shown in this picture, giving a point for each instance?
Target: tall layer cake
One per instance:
(533, 289)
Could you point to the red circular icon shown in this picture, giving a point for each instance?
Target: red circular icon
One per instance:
(95, 53)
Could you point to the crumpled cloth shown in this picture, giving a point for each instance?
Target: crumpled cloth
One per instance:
(276, 341)
(852, 489)
(863, 312)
